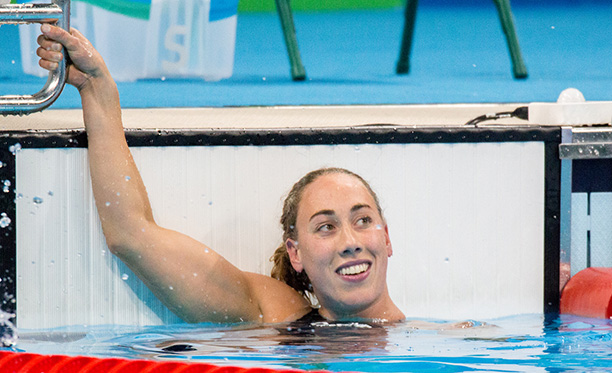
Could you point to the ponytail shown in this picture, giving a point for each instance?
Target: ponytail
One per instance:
(283, 271)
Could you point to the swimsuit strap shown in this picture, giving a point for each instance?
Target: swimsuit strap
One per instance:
(311, 317)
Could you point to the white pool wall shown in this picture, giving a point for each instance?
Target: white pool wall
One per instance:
(466, 221)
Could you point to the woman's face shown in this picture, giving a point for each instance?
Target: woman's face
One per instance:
(343, 245)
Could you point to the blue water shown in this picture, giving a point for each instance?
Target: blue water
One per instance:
(512, 344)
(459, 56)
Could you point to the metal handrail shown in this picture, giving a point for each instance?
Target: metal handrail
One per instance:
(57, 12)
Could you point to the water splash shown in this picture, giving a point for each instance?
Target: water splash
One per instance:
(8, 331)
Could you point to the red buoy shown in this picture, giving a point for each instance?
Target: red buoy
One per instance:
(588, 293)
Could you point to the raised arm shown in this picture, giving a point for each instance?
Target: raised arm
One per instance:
(193, 281)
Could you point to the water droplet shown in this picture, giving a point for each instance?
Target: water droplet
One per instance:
(107, 204)
(171, 287)
(5, 221)
(15, 148)
(206, 251)
(357, 149)
(163, 79)
(127, 178)
(209, 203)
(446, 260)
(13, 62)
(195, 274)
(52, 262)
(50, 193)
(37, 200)
(118, 194)
(125, 276)
(264, 78)
(379, 227)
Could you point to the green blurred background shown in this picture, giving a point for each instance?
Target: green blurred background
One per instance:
(269, 5)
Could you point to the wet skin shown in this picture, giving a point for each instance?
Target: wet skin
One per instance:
(343, 245)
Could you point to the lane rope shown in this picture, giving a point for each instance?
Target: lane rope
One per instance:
(25, 362)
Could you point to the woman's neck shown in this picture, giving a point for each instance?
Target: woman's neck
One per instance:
(383, 310)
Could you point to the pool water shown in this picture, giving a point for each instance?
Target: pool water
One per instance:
(517, 343)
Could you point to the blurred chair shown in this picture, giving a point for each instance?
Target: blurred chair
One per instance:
(403, 66)
(286, 17)
(505, 16)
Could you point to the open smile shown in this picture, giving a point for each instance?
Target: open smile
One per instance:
(354, 271)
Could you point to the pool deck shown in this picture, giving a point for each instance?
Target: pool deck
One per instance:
(273, 117)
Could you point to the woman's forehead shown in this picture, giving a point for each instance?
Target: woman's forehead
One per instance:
(336, 189)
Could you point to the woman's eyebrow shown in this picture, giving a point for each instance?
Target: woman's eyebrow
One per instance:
(332, 212)
(360, 206)
(322, 212)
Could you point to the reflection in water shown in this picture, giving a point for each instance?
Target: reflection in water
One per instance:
(300, 345)
(518, 343)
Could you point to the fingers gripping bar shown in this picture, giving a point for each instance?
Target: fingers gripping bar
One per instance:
(57, 12)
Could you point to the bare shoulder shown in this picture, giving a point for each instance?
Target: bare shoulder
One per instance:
(278, 301)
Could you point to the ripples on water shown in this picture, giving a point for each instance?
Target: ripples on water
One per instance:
(518, 343)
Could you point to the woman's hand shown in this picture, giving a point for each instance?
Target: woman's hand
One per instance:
(86, 62)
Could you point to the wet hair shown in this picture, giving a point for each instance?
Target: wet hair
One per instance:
(282, 269)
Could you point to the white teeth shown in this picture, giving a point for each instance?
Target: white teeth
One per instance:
(354, 270)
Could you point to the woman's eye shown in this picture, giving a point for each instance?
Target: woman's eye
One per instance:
(366, 220)
(325, 228)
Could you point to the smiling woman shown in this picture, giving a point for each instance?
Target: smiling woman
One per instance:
(344, 243)
(336, 245)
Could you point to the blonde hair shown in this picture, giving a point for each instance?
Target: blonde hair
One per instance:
(282, 269)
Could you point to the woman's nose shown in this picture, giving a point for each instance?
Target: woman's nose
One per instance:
(350, 243)
(349, 251)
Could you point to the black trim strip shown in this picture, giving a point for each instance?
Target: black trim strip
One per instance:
(8, 237)
(552, 228)
(372, 134)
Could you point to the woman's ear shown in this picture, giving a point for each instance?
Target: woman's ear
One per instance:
(388, 242)
(294, 255)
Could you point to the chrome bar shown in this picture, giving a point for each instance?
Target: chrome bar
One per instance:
(29, 13)
(57, 12)
(588, 143)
